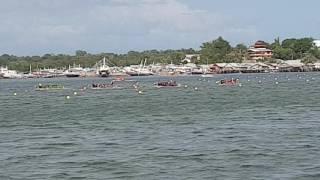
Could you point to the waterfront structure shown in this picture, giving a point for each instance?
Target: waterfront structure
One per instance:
(292, 66)
(172, 69)
(259, 51)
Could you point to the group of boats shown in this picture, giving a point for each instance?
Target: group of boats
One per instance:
(121, 83)
(105, 68)
(75, 71)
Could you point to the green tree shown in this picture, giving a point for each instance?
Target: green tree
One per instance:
(309, 59)
(302, 46)
(234, 57)
(276, 44)
(241, 47)
(315, 51)
(215, 51)
(283, 53)
(81, 53)
(299, 47)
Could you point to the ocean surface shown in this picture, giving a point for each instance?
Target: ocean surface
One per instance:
(267, 128)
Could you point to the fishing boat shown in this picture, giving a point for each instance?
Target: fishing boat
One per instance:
(140, 71)
(169, 84)
(74, 71)
(98, 86)
(5, 73)
(207, 75)
(114, 84)
(47, 87)
(103, 70)
(228, 82)
(70, 74)
(196, 71)
(29, 75)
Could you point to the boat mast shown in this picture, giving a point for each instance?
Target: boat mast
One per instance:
(145, 61)
(104, 62)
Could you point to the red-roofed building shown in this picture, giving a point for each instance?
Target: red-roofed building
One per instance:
(259, 51)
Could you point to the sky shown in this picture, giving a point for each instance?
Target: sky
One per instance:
(37, 27)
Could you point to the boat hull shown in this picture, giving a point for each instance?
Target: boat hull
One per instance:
(104, 73)
(177, 86)
(72, 75)
(139, 74)
(49, 89)
(207, 75)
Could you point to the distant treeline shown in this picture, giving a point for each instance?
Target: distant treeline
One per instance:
(218, 50)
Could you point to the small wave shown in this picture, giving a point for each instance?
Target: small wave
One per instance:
(108, 144)
(62, 144)
(254, 166)
(152, 149)
(313, 176)
(197, 132)
(234, 151)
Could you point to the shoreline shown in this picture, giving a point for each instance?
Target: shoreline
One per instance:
(161, 76)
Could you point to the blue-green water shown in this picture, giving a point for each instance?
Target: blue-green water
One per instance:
(261, 130)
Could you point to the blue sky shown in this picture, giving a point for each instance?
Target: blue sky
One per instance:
(36, 27)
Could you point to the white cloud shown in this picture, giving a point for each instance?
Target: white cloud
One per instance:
(111, 25)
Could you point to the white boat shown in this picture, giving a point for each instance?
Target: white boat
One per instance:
(207, 75)
(118, 72)
(72, 74)
(9, 74)
(74, 71)
(103, 70)
(196, 71)
(140, 71)
(206, 72)
(30, 75)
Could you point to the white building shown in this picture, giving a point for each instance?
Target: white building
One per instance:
(317, 43)
(189, 57)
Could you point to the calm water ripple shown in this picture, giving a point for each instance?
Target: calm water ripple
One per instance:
(261, 130)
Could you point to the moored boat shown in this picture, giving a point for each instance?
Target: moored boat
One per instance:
(228, 82)
(74, 71)
(196, 71)
(140, 70)
(207, 75)
(47, 87)
(170, 83)
(103, 70)
(72, 74)
(114, 84)
(140, 73)
(9, 74)
(97, 86)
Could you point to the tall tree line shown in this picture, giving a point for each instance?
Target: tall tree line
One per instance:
(215, 51)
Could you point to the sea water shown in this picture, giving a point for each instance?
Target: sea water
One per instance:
(267, 128)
